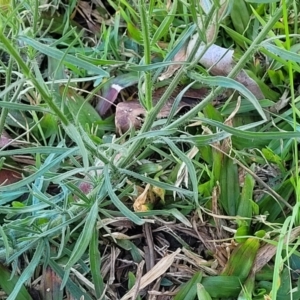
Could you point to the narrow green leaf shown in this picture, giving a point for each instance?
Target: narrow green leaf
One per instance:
(75, 135)
(253, 135)
(281, 52)
(35, 150)
(248, 288)
(229, 83)
(180, 217)
(24, 107)
(154, 66)
(164, 26)
(58, 54)
(29, 270)
(38, 173)
(157, 183)
(117, 202)
(83, 241)
(189, 165)
(262, 1)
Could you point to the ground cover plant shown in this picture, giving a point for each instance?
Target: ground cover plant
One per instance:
(149, 149)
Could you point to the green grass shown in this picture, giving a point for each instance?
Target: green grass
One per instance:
(202, 204)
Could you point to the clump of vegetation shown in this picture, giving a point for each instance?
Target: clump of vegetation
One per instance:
(149, 149)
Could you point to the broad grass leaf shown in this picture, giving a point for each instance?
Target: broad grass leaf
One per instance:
(237, 265)
(222, 286)
(245, 202)
(281, 52)
(273, 209)
(202, 294)
(95, 263)
(131, 247)
(248, 288)
(8, 283)
(135, 33)
(49, 124)
(240, 20)
(131, 282)
(164, 26)
(229, 184)
(189, 290)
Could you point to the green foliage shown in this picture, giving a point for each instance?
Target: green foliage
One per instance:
(231, 164)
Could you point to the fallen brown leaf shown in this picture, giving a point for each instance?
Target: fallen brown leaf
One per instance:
(160, 268)
(265, 253)
(131, 114)
(9, 176)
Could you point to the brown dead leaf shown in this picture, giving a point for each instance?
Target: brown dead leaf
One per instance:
(90, 14)
(180, 56)
(9, 176)
(215, 209)
(283, 101)
(24, 159)
(267, 252)
(200, 262)
(50, 286)
(159, 192)
(131, 114)
(160, 268)
(6, 140)
(219, 62)
(144, 200)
